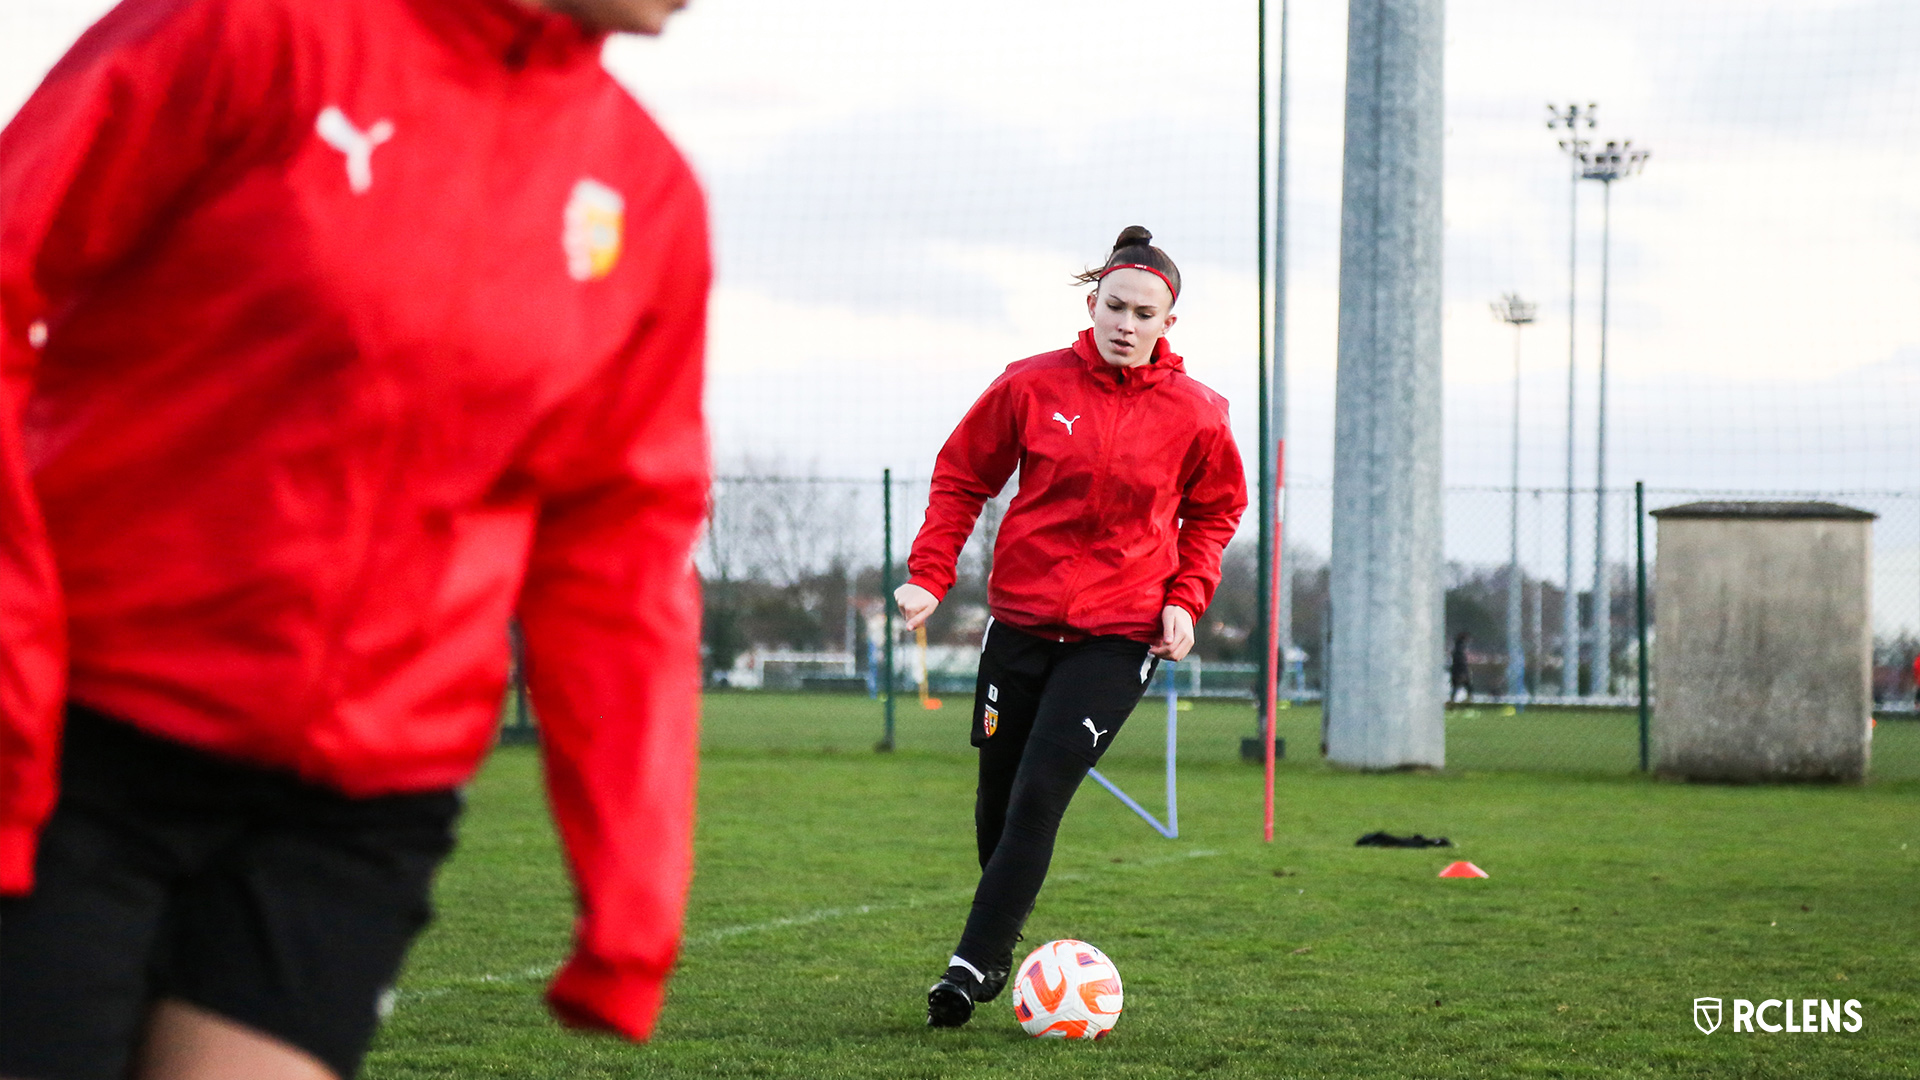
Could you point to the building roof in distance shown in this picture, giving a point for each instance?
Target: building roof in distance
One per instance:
(1766, 510)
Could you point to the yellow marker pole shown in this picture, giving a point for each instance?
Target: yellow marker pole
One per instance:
(920, 642)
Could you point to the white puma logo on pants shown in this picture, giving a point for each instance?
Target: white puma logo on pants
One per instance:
(1088, 723)
(337, 131)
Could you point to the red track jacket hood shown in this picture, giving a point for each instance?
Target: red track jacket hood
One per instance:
(335, 333)
(1130, 487)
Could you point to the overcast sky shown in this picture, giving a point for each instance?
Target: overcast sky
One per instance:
(901, 190)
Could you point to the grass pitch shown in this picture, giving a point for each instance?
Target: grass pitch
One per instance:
(832, 882)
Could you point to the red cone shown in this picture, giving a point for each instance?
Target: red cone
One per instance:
(1463, 869)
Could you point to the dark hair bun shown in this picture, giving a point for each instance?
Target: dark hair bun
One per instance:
(1135, 248)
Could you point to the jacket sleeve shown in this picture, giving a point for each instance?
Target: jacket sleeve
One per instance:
(1215, 496)
(111, 141)
(611, 614)
(973, 466)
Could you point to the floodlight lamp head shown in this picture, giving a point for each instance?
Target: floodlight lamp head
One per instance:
(1615, 161)
(1572, 116)
(1511, 309)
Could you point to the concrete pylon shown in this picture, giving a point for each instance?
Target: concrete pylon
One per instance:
(1385, 686)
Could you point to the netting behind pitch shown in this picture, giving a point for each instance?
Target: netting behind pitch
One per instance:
(901, 193)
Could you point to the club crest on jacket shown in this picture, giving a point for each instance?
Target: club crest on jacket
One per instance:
(592, 228)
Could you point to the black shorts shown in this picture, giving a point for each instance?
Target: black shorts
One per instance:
(1073, 694)
(166, 872)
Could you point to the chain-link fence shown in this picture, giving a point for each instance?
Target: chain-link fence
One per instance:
(794, 569)
(1514, 557)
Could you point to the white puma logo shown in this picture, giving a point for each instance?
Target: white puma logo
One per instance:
(1066, 421)
(337, 131)
(1088, 722)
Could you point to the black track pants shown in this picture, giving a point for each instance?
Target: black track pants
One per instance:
(169, 872)
(1043, 713)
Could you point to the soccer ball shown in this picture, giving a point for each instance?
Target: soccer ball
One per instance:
(1067, 990)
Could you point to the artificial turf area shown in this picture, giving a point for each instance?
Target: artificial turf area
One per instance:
(832, 882)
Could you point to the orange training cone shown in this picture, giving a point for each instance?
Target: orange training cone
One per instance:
(1463, 869)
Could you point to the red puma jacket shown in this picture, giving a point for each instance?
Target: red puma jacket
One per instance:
(335, 333)
(1130, 487)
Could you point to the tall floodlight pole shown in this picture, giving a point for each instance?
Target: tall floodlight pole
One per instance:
(1278, 608)
(1386, 557)
(1614, 161)
(1515, 312)
(1571, 119)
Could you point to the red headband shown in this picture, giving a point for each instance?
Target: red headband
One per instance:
(1141, 266)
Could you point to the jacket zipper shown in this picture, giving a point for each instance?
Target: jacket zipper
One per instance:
(337, 658)
(1097, 497)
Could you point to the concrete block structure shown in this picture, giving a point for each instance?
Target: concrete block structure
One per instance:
(1763, 657)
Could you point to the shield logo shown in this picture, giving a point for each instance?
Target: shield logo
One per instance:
(990, 721)
(1706, 1015)
(592, 229)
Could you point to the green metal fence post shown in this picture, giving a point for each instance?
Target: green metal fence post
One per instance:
(886, 598)
(522, 713)
(1263, 562)
(1640, 602)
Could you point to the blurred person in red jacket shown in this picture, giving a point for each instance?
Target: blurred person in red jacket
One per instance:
(332, 335)
(1130, 487)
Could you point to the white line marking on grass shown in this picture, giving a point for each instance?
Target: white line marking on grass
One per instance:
(447, 986)
(537, 972)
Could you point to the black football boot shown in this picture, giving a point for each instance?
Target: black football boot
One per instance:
(950, 1001)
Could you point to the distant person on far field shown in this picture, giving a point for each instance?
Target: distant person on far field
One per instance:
(1459, 671)
(1916, 681)
(334, 334)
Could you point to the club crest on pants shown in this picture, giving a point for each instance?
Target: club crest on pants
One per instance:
(990, 721)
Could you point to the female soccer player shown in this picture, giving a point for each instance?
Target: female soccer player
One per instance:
(1130, 486)
(332, 333)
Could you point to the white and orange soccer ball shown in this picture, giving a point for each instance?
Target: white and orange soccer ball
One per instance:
(1067, 990)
